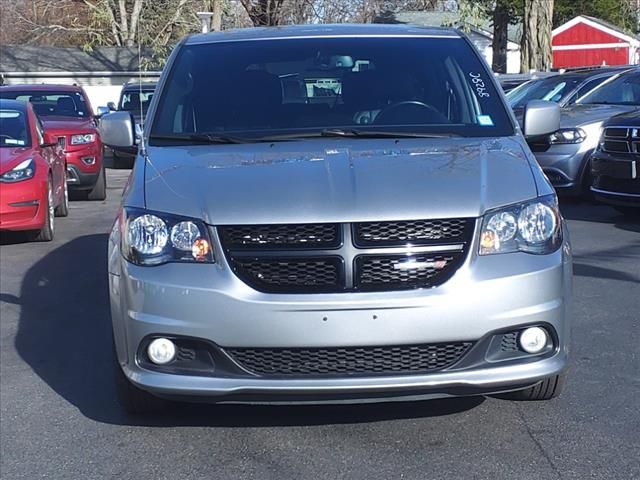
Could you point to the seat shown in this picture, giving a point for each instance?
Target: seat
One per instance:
(65, 107)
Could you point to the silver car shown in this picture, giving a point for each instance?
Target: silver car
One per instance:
(564, 155)
(335, 213)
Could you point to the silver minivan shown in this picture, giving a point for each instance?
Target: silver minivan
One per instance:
(335, 213)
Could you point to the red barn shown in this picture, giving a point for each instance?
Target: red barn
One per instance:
(588, 41)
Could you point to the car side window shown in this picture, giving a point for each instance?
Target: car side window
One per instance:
(587, 87)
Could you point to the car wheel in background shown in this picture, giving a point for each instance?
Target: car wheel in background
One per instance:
(122, 161)
(99, 191)
(62, 210)
(546, 390)
(45, 234)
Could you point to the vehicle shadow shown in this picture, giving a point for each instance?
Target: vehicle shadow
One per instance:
(11, 238)
(64, 335)
(589, 211)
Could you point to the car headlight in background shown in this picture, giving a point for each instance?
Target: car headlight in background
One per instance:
(532, 227)
(22, 171)
(151, 238)
(83, 138)
(568, 135)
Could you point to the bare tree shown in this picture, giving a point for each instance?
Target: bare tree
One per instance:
(264, 12)
(536, 53)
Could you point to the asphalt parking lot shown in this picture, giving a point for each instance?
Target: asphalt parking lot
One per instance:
(60, 419)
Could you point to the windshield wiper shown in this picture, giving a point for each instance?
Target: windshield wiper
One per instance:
(355, 133)
(208, 138)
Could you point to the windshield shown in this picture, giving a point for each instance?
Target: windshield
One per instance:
(132, 99)
(60, 104)
(278, 87)
(553, 89)
(622, 90)
(14, 129)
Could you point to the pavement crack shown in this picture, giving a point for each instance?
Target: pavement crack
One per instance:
(537, 443)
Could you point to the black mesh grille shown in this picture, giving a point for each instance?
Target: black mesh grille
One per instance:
(509, 342)
(303, 236)
(307, 274)
(395, 272)
(619, 146)
(348, 360)
(619, 185)
(321, 258)
(416, 232)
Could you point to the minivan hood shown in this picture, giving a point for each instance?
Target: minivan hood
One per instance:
(578, 115)
(337, 180)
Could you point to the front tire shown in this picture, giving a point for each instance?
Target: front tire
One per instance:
(99, 191)
(62, 210)
(45, 234)
(545, 390)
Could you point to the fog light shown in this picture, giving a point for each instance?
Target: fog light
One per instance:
(89, 160)
(533, 340)
(161, 351)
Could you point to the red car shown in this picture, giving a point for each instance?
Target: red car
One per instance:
(66, 112)
(33, 182)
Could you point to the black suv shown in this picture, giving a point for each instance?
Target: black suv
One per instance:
(616, 164)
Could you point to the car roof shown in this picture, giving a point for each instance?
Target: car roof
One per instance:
(137, 85)
(322, 31)
(13, 104)
(40, 87)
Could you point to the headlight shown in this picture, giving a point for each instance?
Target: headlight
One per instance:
(152, 238)
(83, 138)
(22, 171)
(568, 135)
(532, 227)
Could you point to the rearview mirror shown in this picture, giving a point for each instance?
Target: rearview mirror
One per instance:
(540, 118)
(111, 106)
(117, 130)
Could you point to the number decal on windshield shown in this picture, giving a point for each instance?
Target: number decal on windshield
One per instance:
(479, 85)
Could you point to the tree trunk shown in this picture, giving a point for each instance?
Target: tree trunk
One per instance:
(500, 38)
(536, 51)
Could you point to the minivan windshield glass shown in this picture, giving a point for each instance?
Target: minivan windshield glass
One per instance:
(14, 129)
(291, 87)
(623, 90)
(48, 104)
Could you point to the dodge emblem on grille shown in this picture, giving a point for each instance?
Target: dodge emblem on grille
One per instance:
(413, 265)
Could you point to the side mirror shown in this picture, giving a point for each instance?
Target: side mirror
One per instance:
(103, 111)
(540, 118)
(117, 130)
(111, 106)
(49, 140)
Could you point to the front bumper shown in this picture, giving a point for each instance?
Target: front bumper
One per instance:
(23, 204)
(564, 165)
(208, 302)
(83, 165)
(616, 178)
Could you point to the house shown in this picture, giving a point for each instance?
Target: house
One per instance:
(588, 41)
(101, 71)
(480, 35)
